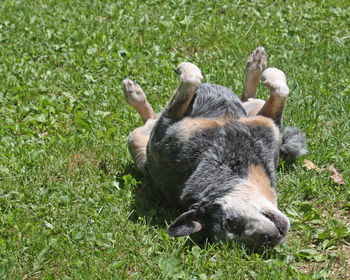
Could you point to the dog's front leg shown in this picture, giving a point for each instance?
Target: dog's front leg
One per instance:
(191, 78)
(134, 95)
(138, 139)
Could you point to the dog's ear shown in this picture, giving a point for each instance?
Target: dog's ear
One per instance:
(187, 223)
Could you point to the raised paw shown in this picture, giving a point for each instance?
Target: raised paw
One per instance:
(275, 81)
(189, 73)
(256, 64)
(257, 61)
(135, 96)
(133, 93)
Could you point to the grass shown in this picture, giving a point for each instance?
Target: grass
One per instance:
(72, 205)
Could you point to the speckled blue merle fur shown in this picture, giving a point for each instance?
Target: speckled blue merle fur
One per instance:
(216, 155)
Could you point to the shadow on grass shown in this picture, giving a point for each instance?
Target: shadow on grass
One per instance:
(148, 201)
(286, 165)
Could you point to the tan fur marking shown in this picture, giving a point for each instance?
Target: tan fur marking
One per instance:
(253, 106)
(255, 111)
(189, 126)
(145, 110)
(137, 146)
(273, 106)
(262, 121)
(138, 141)
(260, 184)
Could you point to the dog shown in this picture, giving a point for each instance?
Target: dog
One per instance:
(216, 155)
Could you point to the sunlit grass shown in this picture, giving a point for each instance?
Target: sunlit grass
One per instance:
(72, 205)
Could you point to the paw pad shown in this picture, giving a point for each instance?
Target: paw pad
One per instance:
(257, 61)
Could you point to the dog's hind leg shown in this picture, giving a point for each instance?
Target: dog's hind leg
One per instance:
(191, 78)
(138, 139)
(275, 80)
(256, 64)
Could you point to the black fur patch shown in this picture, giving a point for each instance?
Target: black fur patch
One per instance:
(193, 170)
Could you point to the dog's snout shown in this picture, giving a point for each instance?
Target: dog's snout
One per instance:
(281, 222)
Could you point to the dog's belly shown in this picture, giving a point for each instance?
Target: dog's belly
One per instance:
(214, 101)
(220, 153)
(177, 147)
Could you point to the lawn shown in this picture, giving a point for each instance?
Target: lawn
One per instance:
(73, 206)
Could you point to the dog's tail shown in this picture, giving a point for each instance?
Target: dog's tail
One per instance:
(293, 143)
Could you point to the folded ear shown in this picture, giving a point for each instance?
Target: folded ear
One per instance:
(187, 223)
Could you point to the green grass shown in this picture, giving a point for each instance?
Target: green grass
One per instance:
(72, 205)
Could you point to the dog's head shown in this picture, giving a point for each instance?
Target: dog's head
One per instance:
(247, 214)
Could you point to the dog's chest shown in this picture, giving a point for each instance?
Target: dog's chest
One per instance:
(222, 151)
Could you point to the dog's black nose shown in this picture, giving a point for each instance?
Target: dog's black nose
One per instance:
(281, 222)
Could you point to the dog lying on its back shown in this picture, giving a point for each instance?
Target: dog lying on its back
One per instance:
(217, 155)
